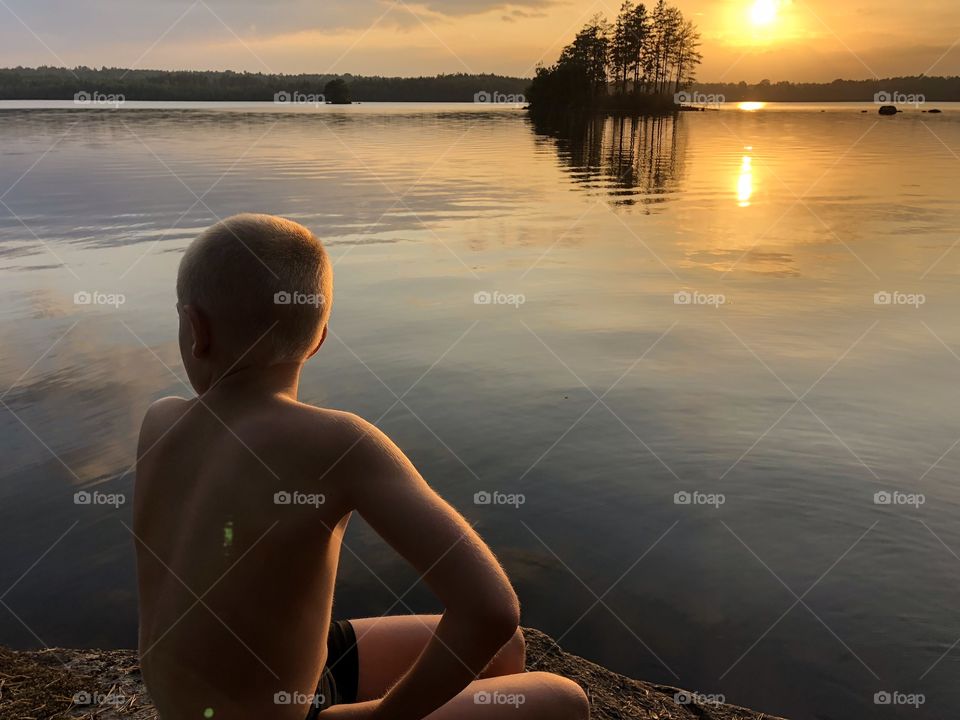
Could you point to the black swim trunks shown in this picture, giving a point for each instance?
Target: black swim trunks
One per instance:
(340, 678)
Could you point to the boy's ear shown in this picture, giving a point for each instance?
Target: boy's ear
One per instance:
(319, 344)
(199, 330)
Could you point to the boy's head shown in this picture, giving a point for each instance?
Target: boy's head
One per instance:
(252, 287)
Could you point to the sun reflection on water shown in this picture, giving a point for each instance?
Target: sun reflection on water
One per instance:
(745, 182)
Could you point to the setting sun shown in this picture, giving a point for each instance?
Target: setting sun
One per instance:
(762, 23)
(764, 12)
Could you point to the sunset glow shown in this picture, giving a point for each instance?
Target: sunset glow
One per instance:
(742, 39)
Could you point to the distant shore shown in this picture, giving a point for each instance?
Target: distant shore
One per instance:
(53, 83)
(107, 685)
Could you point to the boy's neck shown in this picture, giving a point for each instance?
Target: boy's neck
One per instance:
(279, 379)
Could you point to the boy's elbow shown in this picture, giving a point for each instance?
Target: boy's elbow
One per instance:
(500, 619)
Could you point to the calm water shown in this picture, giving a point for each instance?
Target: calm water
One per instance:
(781, 387)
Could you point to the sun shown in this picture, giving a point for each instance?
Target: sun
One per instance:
(764, 12)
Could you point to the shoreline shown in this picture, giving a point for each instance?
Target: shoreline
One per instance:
(44, 684)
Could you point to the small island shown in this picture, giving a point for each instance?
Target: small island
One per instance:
(337, 92)
(639, 64)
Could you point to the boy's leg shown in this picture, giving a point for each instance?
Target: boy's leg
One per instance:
(524, 696)
(527, 696)
(388, 646)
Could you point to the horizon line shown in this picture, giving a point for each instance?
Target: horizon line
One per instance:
(103, 68)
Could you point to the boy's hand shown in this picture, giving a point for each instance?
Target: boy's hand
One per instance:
(481, 608)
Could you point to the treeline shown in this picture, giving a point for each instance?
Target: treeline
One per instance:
(934, 89)
(638, 61)
(52, 83)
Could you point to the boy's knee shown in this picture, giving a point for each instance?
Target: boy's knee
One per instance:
(516, 651)
(567, 699)
(512, 657)
(576, 703)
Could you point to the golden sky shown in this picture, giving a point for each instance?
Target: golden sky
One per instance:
(803, 40)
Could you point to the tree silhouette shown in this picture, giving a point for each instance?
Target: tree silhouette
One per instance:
(659, 50)
(687, 55)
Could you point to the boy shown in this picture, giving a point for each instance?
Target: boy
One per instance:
(242, 498)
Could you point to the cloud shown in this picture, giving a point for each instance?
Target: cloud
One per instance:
(520, 14)
(82, 25)
(460, 8)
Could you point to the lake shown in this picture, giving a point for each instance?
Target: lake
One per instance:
(696, 380)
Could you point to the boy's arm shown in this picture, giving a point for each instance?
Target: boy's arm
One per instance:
(481, 609)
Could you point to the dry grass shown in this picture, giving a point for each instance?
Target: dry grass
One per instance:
(74, 684)
(615, 697)
(32, 690)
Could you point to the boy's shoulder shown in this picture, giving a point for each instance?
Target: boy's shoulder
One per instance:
(301, 424)
(160, 417)
(356, 441)
(334, 424)
(166, 406)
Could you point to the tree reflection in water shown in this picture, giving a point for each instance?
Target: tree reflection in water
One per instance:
(635, 160)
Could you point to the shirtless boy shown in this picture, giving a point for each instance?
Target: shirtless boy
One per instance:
(243, 495)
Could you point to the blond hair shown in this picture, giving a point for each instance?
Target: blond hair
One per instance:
(259, 278)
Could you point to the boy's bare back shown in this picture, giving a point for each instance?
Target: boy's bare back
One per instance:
(236, 602)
